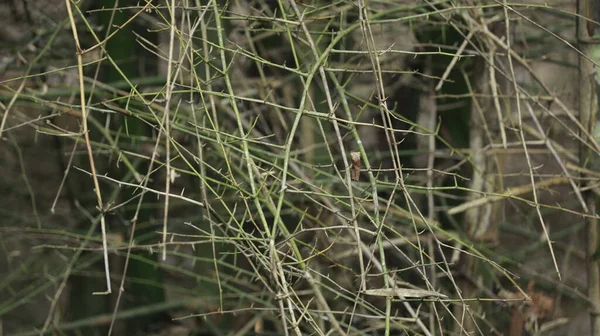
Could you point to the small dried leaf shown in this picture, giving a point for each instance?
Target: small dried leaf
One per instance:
(355, 168)
(404, 292)
(541, 303)
(527, 308)
(259, 326)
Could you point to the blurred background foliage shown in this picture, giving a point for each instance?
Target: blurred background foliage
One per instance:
(216, 170)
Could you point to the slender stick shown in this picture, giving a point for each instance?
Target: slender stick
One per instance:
(88, 146)
(588, 110)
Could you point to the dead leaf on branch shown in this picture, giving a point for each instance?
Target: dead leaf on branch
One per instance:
(355, 168)
(527, 312)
